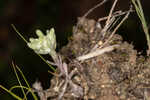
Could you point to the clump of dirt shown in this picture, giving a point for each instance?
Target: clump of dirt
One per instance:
(121, 74)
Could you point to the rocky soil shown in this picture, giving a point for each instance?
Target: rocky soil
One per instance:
(121, 74)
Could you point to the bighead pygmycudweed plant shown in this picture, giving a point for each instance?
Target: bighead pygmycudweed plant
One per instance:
(44, 44)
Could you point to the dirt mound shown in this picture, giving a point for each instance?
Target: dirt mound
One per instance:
(121, 74)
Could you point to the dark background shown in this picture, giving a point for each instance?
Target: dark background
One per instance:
(28, 15)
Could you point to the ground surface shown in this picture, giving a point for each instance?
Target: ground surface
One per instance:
(122, 74)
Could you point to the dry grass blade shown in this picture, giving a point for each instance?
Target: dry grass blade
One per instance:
(96, 6)
(115, 14)
(14, 68)
(117, 27)
(110, 14)
(110, 23)
(139, 11)
(88, 12)
(11, 93)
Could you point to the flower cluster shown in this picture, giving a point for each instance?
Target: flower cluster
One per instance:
(44, 44)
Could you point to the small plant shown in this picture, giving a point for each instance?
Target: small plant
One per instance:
(46, 44)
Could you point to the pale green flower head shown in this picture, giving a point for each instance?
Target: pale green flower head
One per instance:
(44, 44)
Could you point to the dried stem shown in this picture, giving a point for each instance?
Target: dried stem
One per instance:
(116, 14)
(117, 27)
(97, 52)
(109, 20)
(93, 8)
(88, 12)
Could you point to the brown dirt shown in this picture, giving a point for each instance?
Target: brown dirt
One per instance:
(121, 74)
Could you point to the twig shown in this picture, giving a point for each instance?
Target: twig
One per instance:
(97, 52)
(109, 20)
(111, 11)
(63, 90)
(88, 12)
(93, 8)
(116, 14)
(117, 27)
